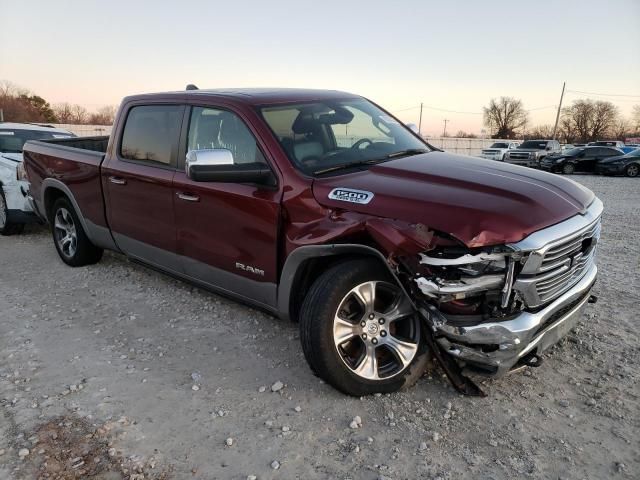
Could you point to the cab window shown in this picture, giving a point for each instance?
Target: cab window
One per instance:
(211, 128)
(151, 134)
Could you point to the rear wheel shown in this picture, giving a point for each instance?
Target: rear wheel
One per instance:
(632, 170)
(73, 245)
(360, 332)
(568, 169)
(6, 226)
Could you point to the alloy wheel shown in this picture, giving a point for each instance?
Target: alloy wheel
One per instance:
(376, 331)
(633, 170)
(65, 232)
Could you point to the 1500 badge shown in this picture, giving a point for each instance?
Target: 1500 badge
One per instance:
(351, 195)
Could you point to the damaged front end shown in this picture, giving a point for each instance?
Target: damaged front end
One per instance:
(494, 309)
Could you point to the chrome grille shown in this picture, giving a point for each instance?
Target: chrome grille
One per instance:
(559, 264)
(519, 155)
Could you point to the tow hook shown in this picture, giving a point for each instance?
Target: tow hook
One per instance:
(592, 299)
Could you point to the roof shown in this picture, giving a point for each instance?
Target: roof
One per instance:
(30, 126)
(256, 96)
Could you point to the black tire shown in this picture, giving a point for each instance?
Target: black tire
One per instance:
(568, 169)
(327, 294)
(7, 227)
(632, 170)
(83, 252)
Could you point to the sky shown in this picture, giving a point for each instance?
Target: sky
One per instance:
(449, 55)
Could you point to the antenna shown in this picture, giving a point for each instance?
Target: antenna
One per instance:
(191, 86)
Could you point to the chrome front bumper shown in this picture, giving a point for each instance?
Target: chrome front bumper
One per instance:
(494, 348)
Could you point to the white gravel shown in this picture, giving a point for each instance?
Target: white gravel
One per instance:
(104, 329)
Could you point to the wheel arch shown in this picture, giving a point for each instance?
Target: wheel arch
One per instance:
(305, 264)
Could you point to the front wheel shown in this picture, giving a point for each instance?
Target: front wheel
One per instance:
(632, 170)
(73, 245)
(568, 169)
(359, 331)
(6, 226)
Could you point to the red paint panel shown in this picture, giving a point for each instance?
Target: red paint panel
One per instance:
(473, 200)
(142, 208)
(230, 223)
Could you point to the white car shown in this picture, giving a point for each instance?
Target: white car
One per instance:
(498, 150)
(15, 209)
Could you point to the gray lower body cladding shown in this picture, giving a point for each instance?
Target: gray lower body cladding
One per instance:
(495, 347)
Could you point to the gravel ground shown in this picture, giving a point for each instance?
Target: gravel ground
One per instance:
(115, 371)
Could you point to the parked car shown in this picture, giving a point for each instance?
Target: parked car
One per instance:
(614, 143)
(565, 147)
(582, 159)
(385, 249)
(15, 210)
(607, 143)
(531, 152)
(498, 150)
(627, 164)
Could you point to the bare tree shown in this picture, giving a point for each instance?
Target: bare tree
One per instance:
(591, 120)
(79, 114)
(507, 115)
(104, 116)
(63, 113)
(605, 115)
(463, 134)
(621, 129)
(540, 132)
(635, 118)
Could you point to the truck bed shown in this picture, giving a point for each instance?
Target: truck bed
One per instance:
(68, 163)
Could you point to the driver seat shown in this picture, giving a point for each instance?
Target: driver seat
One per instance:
(305, 150)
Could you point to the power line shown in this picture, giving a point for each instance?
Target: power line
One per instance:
(404, 109)
(603, 94)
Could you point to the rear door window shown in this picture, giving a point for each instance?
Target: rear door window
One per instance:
(151, 134)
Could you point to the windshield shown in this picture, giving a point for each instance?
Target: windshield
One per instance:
(336, 134)
(499, 145)
(533, 144)
(12, 140)
(633, 153)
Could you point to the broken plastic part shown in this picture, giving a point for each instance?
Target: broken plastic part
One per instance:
(462, 260)
(457, 289)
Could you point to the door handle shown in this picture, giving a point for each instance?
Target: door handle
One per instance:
(117, 180)
(188, 197)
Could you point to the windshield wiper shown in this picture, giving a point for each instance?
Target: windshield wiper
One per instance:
(406, 153)
(373, 161)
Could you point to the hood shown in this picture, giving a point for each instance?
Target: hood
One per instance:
(16, 157)
(478, 202)
(528, 150)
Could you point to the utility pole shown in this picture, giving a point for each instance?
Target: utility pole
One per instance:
(420, 122)
(555, 127)
(444, 132)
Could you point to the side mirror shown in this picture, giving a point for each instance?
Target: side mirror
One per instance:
(216, 165)
(413, 127)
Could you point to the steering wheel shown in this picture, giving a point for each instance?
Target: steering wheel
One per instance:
(362, 141)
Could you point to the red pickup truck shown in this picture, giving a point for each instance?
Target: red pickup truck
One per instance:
(321, 207)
